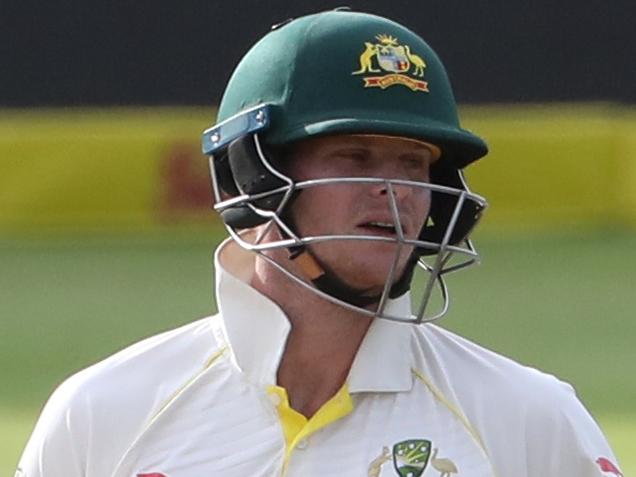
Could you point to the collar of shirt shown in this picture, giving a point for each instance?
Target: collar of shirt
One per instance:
(256, 331)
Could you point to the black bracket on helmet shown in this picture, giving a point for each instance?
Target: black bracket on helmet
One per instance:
(443, 206)
(242, 170)
(239, 165)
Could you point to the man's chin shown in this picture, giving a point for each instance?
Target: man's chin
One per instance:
(373, 282)
(364, 268)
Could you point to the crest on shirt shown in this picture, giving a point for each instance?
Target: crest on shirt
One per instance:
(410, 459)
(387, 63)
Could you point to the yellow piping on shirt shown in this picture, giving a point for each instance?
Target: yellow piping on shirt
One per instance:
(458, 414)
(187, 384)
(168, 402)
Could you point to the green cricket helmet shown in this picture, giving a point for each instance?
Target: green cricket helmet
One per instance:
(335, 73)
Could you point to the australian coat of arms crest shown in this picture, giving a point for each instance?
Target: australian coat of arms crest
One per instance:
(388, 63)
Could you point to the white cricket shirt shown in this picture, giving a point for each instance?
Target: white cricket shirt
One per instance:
(202, 401)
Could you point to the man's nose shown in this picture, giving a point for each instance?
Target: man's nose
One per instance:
(400, 192)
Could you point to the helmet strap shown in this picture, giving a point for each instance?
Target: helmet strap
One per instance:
(328, 282)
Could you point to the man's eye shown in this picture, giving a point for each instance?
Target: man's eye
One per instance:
(415, 163)
(355, 156)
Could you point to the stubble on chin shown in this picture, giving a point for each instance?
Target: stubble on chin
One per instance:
(361, 265)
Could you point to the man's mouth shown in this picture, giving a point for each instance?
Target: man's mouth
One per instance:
(385, 229)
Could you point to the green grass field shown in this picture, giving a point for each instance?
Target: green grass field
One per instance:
(564, 304)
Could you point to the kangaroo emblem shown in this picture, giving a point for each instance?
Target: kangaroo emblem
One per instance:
(376, 464)
(367, 55)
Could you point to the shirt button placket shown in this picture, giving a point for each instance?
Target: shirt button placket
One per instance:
(275, 399)
(302, 444)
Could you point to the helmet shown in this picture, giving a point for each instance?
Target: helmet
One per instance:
(332, 73)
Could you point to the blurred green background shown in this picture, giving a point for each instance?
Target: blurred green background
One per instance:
(106, 237)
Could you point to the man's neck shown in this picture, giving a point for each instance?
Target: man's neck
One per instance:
(321, 345)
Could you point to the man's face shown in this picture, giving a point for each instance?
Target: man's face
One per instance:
(360, 209)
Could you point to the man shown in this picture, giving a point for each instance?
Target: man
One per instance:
(336, 164)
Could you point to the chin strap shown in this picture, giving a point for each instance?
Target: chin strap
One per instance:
(327, 281)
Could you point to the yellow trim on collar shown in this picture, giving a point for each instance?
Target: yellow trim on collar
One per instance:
(297, 427)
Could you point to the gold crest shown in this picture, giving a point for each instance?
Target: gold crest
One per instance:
(396, 63)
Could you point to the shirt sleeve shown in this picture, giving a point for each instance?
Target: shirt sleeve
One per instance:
(58, 445)
(564, 440)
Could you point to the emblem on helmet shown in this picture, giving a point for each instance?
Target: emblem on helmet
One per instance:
(400, 65)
